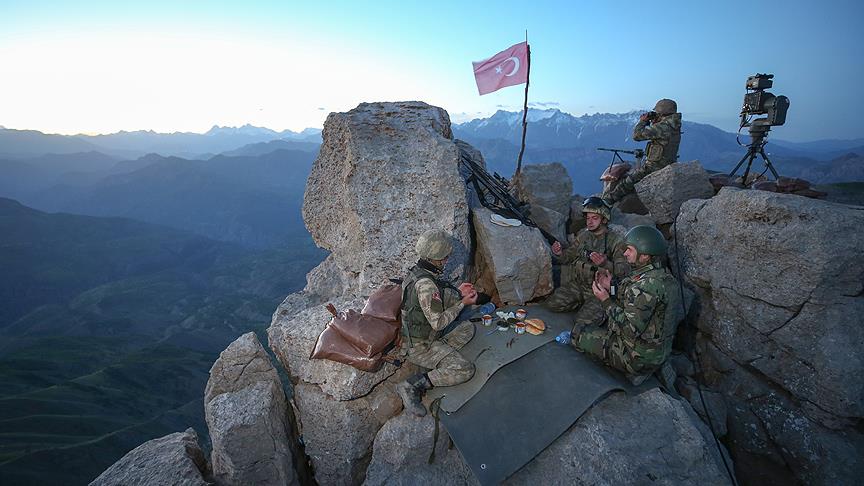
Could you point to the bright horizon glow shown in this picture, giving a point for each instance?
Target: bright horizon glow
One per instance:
(95, 67)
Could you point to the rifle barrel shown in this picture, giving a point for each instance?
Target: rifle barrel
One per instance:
(633, 152)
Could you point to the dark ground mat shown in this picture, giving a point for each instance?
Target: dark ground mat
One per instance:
(526, 405)
(491, 349)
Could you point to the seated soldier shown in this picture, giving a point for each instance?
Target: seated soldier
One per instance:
(431, 334)
(636, 337)
(596, 247)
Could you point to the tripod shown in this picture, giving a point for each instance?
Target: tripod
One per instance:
(758, 132)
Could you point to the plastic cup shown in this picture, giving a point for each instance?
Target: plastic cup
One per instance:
(487, 320)
(520, 314)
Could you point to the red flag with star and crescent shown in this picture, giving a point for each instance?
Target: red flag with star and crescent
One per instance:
(507, 68)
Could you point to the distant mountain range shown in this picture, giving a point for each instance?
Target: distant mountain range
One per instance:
(16, 144)
(555, 136)
(253, 200)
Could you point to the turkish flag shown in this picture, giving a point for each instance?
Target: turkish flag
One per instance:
(507, 68)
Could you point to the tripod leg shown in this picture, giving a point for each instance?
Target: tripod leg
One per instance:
(752, 156)
(768, 163)
(739, 164)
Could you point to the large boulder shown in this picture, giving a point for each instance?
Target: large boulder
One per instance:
(547, 189)
(514, 264)
(662, 192)
(402, 450)
(174, 459)
(338, 435)
(247, 415)
(386, 172)
(547, 185)
(550, 221)
(781, 279)
(645, 439)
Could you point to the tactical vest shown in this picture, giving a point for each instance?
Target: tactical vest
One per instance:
(414, 322)
(662, 153)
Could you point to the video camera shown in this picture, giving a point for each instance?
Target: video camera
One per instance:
(757, 101)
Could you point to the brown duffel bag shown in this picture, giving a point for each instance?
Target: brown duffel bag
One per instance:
(370, 335)
(385, 303)
(333, 346)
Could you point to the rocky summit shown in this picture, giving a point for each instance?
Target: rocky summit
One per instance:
(768, 362)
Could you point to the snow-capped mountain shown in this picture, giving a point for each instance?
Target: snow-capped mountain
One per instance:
(556, 136)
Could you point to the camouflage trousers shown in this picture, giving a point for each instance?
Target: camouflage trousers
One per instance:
(599, 342)
(627, 185)
(441, 356)
(575, 295)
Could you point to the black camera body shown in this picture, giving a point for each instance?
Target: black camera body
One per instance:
(757, 101)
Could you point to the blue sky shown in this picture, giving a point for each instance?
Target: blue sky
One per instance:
(96, 67)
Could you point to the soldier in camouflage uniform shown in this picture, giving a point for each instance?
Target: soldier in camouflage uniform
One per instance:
(596, 247)
(431, 334)
(662, 129)
(638, 333)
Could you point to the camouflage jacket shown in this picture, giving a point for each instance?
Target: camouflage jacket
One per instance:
(610, 244)
(430, 304)
(663, 137)
(637, 319)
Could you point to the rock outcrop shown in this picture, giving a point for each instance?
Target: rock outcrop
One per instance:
(781, 281)
(605, 446)
(174, 459)
(649, 438)
(664, 191)
(385, 173)
(247, 415)
(514, 264)
(547, 189)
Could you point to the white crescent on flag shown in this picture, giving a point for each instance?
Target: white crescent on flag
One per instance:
(494, 73)
(515, 65)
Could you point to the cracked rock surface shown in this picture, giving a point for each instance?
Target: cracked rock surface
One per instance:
(781, 280)
(246, 413)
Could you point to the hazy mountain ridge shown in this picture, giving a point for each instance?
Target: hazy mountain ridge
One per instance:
(108, 327)
(251, 200)
(16, 144)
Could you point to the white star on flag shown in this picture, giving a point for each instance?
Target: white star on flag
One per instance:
(498, 69)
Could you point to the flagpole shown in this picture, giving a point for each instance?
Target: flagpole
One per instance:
(525, 109)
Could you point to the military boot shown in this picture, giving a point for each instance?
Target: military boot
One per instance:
(411, 391)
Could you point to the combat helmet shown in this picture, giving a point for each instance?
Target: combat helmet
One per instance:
(647, 240)
(597, 205)
(666, 107)
(434, 245)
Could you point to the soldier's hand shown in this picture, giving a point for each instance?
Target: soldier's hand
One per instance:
(556, 248)
(603, 278)
(597, 258)
(470, 299)
(599, 291)
(644, 117)
(465, 288)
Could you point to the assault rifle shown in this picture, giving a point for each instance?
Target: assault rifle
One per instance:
(494, 194)
(638, 153)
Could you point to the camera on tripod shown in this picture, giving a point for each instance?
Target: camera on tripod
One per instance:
(757, 101)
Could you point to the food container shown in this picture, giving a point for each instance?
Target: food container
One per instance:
(520, 327)
(487, 320)
(503, 326)
(520, 314)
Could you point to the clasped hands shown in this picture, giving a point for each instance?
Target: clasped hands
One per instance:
(468, 292)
